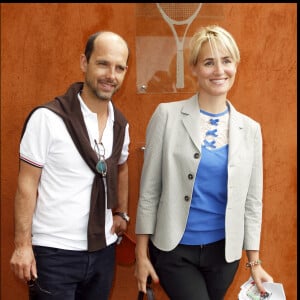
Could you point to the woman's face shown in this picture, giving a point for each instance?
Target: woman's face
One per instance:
(215, 70)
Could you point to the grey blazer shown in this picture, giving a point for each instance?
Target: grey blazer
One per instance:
(171, 159)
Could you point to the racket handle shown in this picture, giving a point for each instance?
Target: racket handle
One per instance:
(179, 69)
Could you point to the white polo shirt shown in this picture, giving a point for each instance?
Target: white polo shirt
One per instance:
(61, 216)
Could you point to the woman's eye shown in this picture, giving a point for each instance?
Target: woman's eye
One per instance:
(208, 63)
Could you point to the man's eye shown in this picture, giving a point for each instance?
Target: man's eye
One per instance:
(120, 69)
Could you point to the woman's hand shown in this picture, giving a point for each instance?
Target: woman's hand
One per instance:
(143, 269)
(259, 275)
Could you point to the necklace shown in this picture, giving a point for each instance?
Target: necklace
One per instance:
(101, 166)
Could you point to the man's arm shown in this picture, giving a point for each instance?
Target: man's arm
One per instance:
(22, 261)
(123, 188)
(120, 225)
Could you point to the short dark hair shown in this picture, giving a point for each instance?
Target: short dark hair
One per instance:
(90, 45)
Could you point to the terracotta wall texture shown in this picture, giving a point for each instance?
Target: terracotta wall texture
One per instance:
(40, 49)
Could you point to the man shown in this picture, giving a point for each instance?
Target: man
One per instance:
(72, 197)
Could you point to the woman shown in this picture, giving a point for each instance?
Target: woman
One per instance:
(200, 198)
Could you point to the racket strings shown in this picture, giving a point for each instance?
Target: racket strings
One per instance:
(179, 11)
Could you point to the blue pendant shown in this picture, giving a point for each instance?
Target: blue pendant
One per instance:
(101, 167)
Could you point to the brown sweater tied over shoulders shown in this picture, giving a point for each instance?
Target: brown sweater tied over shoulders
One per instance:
(68, 108)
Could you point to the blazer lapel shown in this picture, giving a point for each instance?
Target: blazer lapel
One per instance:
(235, 132)
(191, 116)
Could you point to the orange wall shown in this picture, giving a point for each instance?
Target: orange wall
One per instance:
(40, 48)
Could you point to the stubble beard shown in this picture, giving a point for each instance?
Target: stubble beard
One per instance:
(101, 96)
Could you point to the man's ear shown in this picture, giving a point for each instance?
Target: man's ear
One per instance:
(83, 62)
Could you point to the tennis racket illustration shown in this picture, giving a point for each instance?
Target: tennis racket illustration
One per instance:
(179, 14)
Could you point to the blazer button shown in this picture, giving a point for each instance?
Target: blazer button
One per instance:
(196, 155)
(190, 176)
(186, 198)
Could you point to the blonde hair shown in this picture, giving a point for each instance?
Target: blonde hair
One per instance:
(211, 34)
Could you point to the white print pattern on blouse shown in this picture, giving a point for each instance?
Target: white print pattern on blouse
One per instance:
(214, 129)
